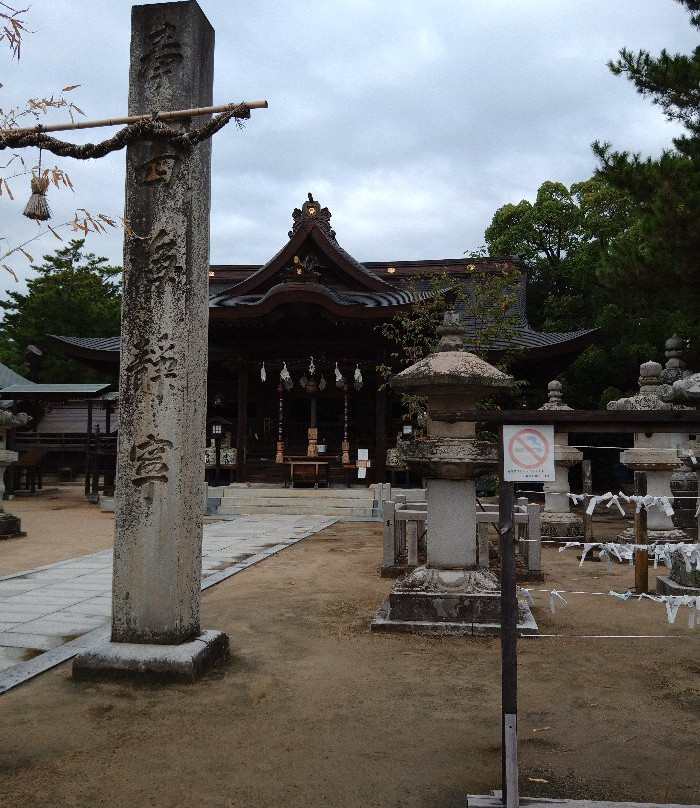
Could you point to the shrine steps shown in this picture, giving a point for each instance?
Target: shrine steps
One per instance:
(345, 503)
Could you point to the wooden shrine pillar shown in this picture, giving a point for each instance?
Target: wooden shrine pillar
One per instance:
(279, 453)
(242, 425)
(380, 436)
(88, 448)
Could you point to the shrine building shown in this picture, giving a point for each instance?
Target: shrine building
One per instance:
(294, 346)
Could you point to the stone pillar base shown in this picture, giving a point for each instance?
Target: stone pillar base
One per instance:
(183, 663)
(665, 585)
(10, 526)
(455, 603)
(673, 536)
(561, 526)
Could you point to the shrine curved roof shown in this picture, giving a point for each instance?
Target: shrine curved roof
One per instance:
(313, 270)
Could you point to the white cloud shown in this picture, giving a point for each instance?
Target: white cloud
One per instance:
(411, 121)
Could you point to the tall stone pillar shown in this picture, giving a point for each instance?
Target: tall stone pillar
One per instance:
(160, 467)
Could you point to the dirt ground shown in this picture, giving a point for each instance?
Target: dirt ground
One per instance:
(315, 710)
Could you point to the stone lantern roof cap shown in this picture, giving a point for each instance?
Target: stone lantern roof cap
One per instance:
(650, 391)
(555, 401)
(450, 367)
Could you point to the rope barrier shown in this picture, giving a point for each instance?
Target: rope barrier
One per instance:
(151, 128)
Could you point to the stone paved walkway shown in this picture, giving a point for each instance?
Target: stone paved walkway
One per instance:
(48, 614)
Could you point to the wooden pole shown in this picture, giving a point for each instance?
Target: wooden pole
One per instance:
(641, 557)
(279, 453)
(129, 119)
(242, 422)
(88, 438)
(509, 638)
(587, 489)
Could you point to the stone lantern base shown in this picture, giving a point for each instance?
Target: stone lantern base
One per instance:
(10, 526)
(681, 581)
(672, 536)
(457, 603)
(561, 526)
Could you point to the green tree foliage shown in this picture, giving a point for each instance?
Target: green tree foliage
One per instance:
(565, 238)
(486, 302)
(619, 252)
(657, 256)
(561, 237)
(73, 294)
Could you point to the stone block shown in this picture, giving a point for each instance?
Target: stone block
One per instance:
(10, 526)
(665, 585)
(184, 663)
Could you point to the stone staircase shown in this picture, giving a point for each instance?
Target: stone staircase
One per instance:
(242, 498)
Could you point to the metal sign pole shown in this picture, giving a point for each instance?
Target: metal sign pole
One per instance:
(509, 637)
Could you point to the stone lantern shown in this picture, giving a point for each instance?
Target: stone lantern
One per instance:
(681, 581)
(9, 525)
(656, 454)
(558, 522)
(450, 594)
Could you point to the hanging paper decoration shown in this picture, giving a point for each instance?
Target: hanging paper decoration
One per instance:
(263, 373)
(303, 381)
(338, 376)
(312, 367)
(322, 384)
(284, 374)
(358, 379)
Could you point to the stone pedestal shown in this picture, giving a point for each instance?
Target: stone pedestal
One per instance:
(655, 454)
(10, 526)
(658, 462)
(452, 515)
(160, 465)
(681, 581)
(454, 603)
(451, 594)
(558, 522)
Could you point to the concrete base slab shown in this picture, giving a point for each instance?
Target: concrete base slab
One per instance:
(106, 505)
(665, 585)
(162, 663)
(494, 801)
(661, 536)
(383, 621)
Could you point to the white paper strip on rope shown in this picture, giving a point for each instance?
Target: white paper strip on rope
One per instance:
(659, 551)
(673, 603)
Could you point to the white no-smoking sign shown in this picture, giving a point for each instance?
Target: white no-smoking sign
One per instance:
(528, 453)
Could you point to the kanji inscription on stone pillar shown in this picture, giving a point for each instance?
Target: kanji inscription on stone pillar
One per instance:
(162, 383)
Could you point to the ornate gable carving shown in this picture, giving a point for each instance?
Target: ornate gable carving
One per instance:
(301, 270)
(311, 211)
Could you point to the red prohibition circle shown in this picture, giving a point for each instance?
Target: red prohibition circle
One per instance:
(537, 458)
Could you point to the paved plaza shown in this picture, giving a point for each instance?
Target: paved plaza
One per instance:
(48, 614)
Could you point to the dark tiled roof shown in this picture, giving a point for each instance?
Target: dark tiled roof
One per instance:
(364, 299)
(49, 390)
(91, 343)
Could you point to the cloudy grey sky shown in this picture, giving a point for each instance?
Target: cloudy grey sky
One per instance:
(412, 120)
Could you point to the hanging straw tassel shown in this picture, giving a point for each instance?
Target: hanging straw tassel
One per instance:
(38, 208)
